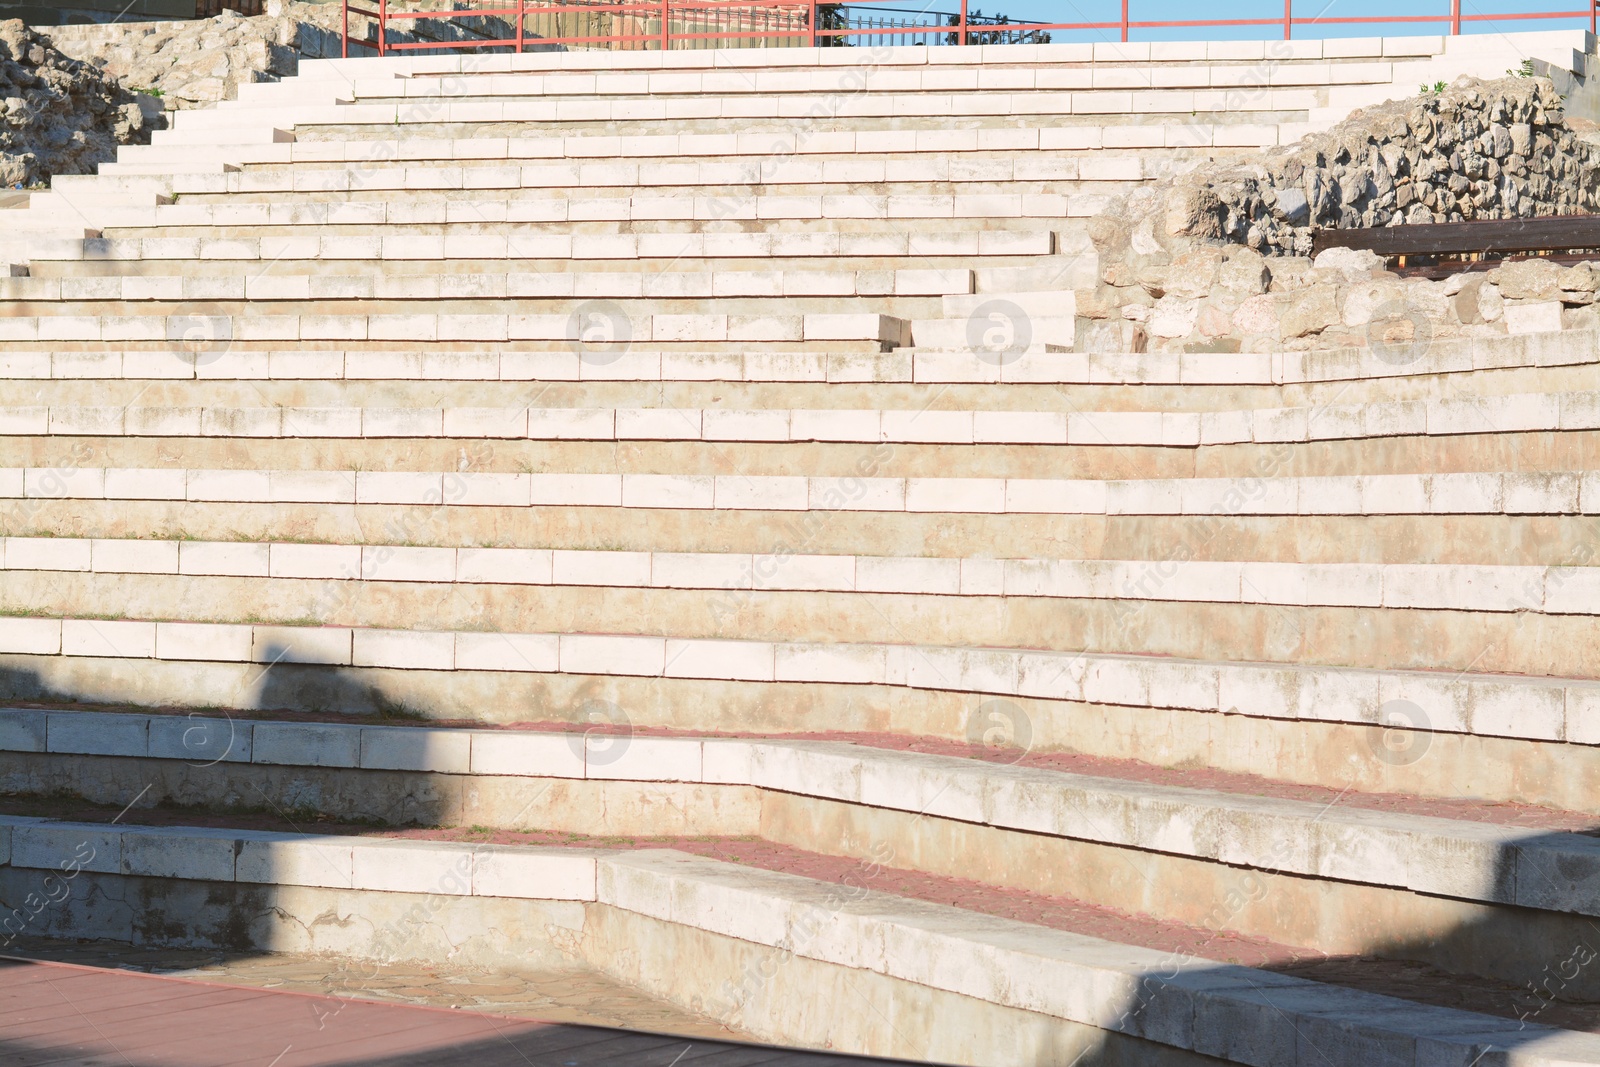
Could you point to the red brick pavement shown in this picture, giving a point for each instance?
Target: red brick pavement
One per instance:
(64, 1015)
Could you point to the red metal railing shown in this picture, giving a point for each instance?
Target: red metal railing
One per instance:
(702, 23)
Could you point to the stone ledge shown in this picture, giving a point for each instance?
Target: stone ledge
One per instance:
(1553, 871)
(1235, 1013)
(1444, 587)
(1526, 708)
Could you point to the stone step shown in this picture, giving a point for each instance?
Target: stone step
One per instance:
(1088, 991)
(634, 207)
(1506, 414)
(1329, 726)
(533, 245)
(281, 284)
(872, 80)
(1477, 493)
(881, 384)
(616, 328)
(1281, 116)
(209, 254)
(1532, 708)
(1287, 108)
(1447, 587)
(418, 179)
(1524, 613)
(1359, 843)
(1167, 53)
(1457, 362)
(1160, 129)
(218, 133)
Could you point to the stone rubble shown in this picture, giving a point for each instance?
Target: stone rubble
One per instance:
(1217, 259)
(61, 116)
(202, 62)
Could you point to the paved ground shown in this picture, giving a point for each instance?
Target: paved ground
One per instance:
(572, 995)
(268, 1011)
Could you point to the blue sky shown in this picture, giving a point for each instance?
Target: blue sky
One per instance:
(1161, 10)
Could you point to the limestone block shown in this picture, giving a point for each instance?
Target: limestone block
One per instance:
(200, 740)
(412, 867)
(762, 493)
(304, 744)
(404, 649)
(735, 660)
(850, 664)
(696, 570)
(22, 730)
(956, 495)
(1529, 279)
(507, 652)
(612, 654)
(527, 753)
(534, 874)
(127, 556)
(108, 637)
(1517, 710)
(569, 567)
(1542, 317)
(67, 847)
(401, 563)
(393, 487)
(1310, 311)
(292, 859)
(726, 761)
(173, 852)
(223, 557)
(668, 491)
(512, 566)
(203, 641)
(403, 748)
(581, 490)
(35, 637)
(315, 561)
(638, 758)
(228, 486)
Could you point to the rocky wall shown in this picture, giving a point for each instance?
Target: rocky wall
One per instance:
(60, 116)
(201, 62)
(1216, 259)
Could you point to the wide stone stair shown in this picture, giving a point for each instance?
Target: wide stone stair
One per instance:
(448, 518)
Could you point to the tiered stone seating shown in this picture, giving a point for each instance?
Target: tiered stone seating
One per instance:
(1188, 708)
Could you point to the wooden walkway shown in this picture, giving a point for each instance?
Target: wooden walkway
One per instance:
(65, 1015)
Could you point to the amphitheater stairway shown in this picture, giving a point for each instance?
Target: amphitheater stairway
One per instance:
(465, 524)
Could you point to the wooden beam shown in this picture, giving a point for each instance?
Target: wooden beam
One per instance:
(1553, 234)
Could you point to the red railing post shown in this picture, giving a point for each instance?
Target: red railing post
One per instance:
(1124, 20)
(383, 27)
(345, 48)
(1455, 17)
(964, 38)
(814, 22)
(666, 27)
(522, 19)
(1288, 18)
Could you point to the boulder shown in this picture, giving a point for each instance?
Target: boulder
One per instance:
(1349, 260)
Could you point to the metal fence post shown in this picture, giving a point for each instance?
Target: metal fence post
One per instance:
(1124, 20)
(1455, 17)
(1288, 19)
(964, 38)
(666, 27)
(814, 22)
(345, 50)
(383, 27)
